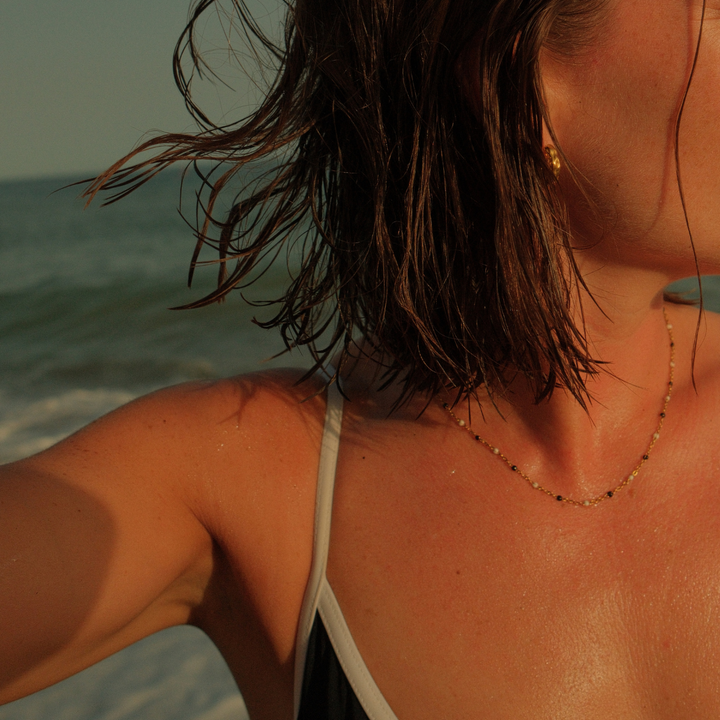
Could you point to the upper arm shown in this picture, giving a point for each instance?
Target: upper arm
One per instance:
(114, 533)
(99, 545)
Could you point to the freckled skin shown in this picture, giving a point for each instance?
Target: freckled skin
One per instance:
(468, 593)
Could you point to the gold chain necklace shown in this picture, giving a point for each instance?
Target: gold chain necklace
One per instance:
(590, 502)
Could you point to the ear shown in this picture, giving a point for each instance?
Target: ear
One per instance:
(547, 138)
(550, 79)
(550, 141)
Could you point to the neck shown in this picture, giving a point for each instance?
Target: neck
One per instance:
(582, 453)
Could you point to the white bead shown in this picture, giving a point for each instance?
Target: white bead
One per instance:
(535, 485)
(496, 451)
(669, 326)
(672, 364)
(631, 476)
(461, 423)
(656, 436)
(586, 503)
(667, 398)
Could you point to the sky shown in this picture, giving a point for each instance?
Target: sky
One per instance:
(83, 81)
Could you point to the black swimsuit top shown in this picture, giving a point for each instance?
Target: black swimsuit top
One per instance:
(332, 681)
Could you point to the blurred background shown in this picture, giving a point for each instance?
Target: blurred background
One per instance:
(84, 294)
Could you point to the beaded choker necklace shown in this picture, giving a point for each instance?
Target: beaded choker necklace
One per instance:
(590, 502)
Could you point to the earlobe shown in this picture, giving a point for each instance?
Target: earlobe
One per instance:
(549, 140)
(553, 99)
(553, 159)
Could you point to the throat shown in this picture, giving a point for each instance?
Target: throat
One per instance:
(578, 447)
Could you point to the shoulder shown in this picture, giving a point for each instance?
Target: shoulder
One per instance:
(195, 422)
(180, 506)
(249, 446)
(233, 450)
(236, 458)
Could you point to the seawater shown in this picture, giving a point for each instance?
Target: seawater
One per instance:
(85, 327)
(84, 318)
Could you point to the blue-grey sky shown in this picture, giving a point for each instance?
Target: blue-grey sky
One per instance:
(83, 80)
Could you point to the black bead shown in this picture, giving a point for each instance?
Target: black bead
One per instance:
(514, 468)
(670, 384)
(662, 414)
(558, 498)
(646, 457)
(477, 437)
(610, 493)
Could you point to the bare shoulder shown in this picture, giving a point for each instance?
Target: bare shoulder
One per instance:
(171, 434)
(190, 499)
(237, 454)
(248, 446)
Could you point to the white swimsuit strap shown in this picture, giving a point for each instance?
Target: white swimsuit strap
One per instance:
(356, 671)
(319, 597)
(321, 539)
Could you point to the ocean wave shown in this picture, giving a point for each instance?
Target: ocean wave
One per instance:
(176, 674)
(27, 427)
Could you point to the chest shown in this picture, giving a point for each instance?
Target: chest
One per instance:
(459, 599)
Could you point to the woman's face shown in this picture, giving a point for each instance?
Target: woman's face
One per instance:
(613, 106)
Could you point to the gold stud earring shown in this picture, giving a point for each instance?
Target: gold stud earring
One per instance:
(553, 160)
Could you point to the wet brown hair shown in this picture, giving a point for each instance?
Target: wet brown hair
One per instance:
(409, 177)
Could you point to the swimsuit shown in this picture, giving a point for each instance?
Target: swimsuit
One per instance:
(332, 681)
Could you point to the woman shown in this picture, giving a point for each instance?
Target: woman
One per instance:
(557, 561)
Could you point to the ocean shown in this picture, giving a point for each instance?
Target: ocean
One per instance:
(85, 327)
